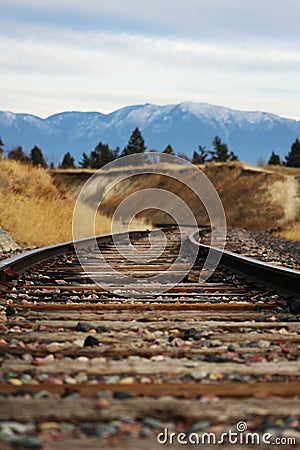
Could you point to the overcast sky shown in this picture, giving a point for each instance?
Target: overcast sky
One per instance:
(96, 55)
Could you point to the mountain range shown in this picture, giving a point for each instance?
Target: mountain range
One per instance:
(251, 135)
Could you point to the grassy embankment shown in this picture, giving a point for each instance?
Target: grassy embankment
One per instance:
(257, 198)
(37, 205)
(33, 210)
(292, 232)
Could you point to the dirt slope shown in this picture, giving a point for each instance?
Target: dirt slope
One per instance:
(36, 206)
(253, 198)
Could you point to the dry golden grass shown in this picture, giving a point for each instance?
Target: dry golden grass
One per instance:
(37, 205)
(33, 210)
(292, 232)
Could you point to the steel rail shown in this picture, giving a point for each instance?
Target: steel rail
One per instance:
(157, 360)
(281, 279)
(20, 263)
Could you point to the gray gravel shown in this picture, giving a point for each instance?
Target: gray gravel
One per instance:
(265, 247)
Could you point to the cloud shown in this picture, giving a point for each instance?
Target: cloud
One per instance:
(66, 51)
(202, 19)
(102, 55)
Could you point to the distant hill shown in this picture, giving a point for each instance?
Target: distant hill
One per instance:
(185, 126)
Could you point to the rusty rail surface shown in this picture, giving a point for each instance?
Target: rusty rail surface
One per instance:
(83, 366)
(23, 262)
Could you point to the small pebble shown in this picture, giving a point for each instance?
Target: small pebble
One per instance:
(90, 341)
(79, 343)
(17, 427)
(104, 430)
(113, 379)
(127, 380)
(14, 343)
(70, 380)
(83, 326)
(15, 382)
(10, 311)
(81, 377)
(49, 359)
(232, 347)
(26, 378)
(214, 376)
(101, 329)
(49, 425)
(263, 344)
(27, 357)
(54, 347)
(42, 394)
(191, 334)
(55, 380)
(198, 374)
(43, 377)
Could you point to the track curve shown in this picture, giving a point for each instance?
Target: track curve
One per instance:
(85, 367)
(281, 279)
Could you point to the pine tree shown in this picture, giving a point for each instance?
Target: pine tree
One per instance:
(1, 147)
(68, 162)
(116, 152)
(293, 157)
(101, 156)
(136, 144)
(201, 156)
(18, 154)
(221, 152)
(274, 159)
(169, 150)
(233, 156)
(37, 158)
(85, 163)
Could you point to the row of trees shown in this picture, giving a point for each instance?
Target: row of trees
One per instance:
(36, 157)
(103, 155)
(292, 159)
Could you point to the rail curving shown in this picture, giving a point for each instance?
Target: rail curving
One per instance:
(282, 279)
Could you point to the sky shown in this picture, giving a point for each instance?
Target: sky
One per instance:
(96, 55)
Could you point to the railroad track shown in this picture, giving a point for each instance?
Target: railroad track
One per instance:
(88, 365)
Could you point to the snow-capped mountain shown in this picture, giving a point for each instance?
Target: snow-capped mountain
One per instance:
(185, 126)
